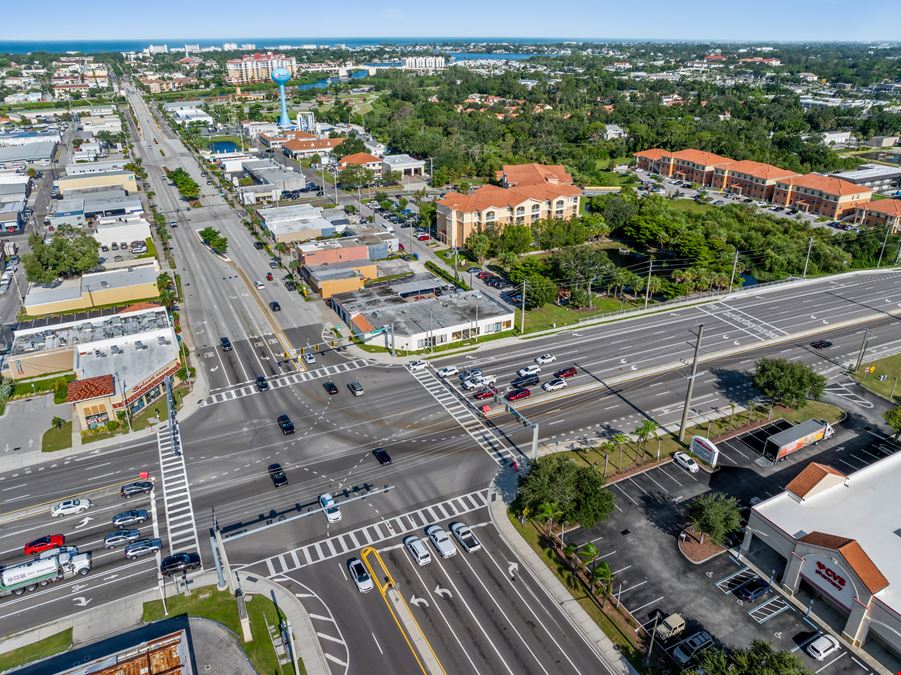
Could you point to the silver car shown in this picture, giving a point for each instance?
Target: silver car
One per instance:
(142, 547)
(133, 517)
(120, 538)
(441, 541)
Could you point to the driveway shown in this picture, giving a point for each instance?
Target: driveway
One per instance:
(25, 422)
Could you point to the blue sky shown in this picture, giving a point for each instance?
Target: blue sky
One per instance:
(752, 20)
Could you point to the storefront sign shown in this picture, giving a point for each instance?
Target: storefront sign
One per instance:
(829, 578)
(704, 449)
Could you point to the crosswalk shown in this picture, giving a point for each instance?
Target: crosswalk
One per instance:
(370, 535)
(176, 494)
(464, 416)
(250, 388)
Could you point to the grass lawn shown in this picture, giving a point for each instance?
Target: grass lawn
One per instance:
(57, 439)
(689, 206)
(891, 368)
(545, 317)
(224, 139)
(49, 646)
(221, 606)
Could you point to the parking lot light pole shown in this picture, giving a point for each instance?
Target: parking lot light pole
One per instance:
(647, 658)
(691, 384)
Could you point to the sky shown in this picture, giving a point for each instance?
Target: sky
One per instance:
(760, 20)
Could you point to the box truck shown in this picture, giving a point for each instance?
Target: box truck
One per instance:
(781, 445)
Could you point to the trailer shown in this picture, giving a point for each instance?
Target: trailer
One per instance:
(781, 445)
(16, 579)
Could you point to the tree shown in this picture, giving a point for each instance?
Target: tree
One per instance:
(6, 388)
(214, 239)
(540, 290)
(589, 553)
(390, 177)
(479, 245)
(68, 254)
(602, 578)
(715, 514)
(166, 288)
(349, 146)
(786, 382)
(893, 419)
(57, 422)
(759, 659)
(644, 431)
(356, 176)
(515, 239)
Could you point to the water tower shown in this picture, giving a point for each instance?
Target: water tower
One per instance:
(281, 76)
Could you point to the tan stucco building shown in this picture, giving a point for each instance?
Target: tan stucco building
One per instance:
(102, 180)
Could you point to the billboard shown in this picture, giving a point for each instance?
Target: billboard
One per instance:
(704, 450)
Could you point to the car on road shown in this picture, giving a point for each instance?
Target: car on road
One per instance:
(133, 517)
(360, 576)
(120, 537)
(418, 550)
(751, 591)
(285, 424)
(356, 388)
(330, 508)
(269, 276)
(226, 344)
(382, 456)
(275, 307)
(447, 371)
(277, 475)
(526, 381)
(143, 547)
(417, 365)
(135, 488)
(821, 344)
(330, 388)
(477, 381)
(469, 373)
(262, 384)
(465, 536)
(554, 385)
(259, 285)
(45, 543)
(567, 372)
(274, 264)
(547, 357)
(518, 394)
(308, 357)
(529, 370)
(258, 245)
(69, 507)
(474, 270)
(423, 237)
(180, 563)
(441, 541)
(485, 394)
(686, 650)
(686, 462)
(822, 646)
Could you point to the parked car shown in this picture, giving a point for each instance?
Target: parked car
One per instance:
(180, 563)
(686, 462)
(277, 475)
(330, 508)
(120, 537)
(356, 388)
(142, 547)
(45, 543)
(285, 424)
(418, 550)
(466, 537)
(360, 576)
(554, 385)
(751, 591)
(382, 456)
(822, 646)
(138, 487)
(686, 650)
(69, 507)
(423, 237)
(132, 517)
(518, 394)
(441, 541)
(262, 384)
(567, 372)
(330, 388)
(541, 359)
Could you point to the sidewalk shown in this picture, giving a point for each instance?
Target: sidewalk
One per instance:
(503, 489)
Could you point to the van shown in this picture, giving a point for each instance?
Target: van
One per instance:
(670, 627)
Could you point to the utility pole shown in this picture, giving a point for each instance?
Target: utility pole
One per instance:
(647, 288)
(522, 317)
(647, 658)
(863, 348)
(734, 270)
(888, 231)
(807, 257)
(898, 257)
(691, 384)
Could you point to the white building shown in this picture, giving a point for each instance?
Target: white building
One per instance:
(836, 137)
(424, 63)
(613, 131)
(257, 67)
(126, 229)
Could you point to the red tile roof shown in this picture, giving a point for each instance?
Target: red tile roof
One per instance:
(700, 157)
(837, 187)
(854, 555)
(758, 169)
(138, 306)
(522, 175)
(653, 154)
(317, 144)
(362, 323)
(93, 387)
(359, 158)
(810, 477)
(492, 195)
(890, 207)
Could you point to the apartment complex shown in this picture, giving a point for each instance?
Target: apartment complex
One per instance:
(881, 213)
(257, 67)
(424, 63)
(823, 195)
(363, 159)
(540, 192)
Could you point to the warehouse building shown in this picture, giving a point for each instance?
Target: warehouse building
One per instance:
(102, 180)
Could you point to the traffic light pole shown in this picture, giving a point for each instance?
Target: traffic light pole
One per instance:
(526, 422)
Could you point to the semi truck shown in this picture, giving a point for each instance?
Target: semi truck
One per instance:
(781, 445)
(16, 579)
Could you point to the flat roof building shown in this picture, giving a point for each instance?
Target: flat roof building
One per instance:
(31, 154)
(877, 176)
(403, 164)
(98, 181)
(296, 223)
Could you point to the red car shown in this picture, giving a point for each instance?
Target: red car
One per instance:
(486, 393)
(269, 276)
(484, 275)
(45, 544)
(423, 237)
(566, 372)
(518, 394)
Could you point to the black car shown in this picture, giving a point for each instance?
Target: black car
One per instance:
(286, 425)
(180, 563)
(751, 591)
(138, 487)
(821, 344)
(524, 381)
(262, 384)
(290, 285)
(382, 455)
(275, 307)
(226, 344)
(330, 388)
(277, 474)
(258, 245)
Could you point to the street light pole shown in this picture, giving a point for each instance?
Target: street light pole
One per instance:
(691, 384)
(888, 231)
(807, 257)
(522, 312)
(647, 289)
(734, 270)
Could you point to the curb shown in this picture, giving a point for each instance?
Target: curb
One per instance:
(703, 560)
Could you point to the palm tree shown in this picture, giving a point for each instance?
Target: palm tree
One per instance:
(620, 441)
(644, 431)
(589, 553)
(547, 513)
(602, 578)
(572, 556)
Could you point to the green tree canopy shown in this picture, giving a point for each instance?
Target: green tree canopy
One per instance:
(356, 176)
(893, 419)
(759, 659)
(68, 254)
(715, 514)
(540, 290)
(786, 382)
(214, 239)
(350, 146)
(479, 245)
(558, 487)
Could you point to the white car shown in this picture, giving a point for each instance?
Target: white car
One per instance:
(822, 646)
(477, 381)
(541, 359)
(309, 358)
(69, 507)
(418, 365)
(554, 385)
(441, 541)
(447, 371)
(330, 508)
(260, 285)
(360, 576)
(529, 370)
(417, 550)
(686, 462)
(465, 536)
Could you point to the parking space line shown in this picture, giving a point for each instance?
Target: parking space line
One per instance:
(622, 569)
(648, 476)
(616, 485)
(606, 555)
(805, 643)
(670, 476)
(647, 604)
(631, 480)
(843, 654)
(634, 586)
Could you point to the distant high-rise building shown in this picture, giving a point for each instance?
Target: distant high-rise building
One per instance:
(258, 67)
(424, 63)
(229, 46)
(306, 121)
(247, 47)
(157, 49)
(192, 49)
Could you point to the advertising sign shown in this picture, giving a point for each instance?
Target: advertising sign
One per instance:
(704, 449)
(828, 578)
